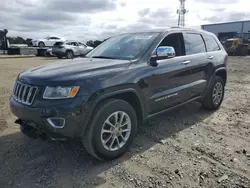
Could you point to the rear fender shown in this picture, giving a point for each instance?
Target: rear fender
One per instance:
(216, 73)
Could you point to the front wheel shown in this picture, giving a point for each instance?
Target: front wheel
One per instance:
(111, 131)
(69, 54)
(215, 94)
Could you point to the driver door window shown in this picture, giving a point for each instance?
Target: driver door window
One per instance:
(176, 41)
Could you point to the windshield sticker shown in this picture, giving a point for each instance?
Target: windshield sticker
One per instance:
(143, 37)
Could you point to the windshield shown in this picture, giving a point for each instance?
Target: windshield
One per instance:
(126, 46)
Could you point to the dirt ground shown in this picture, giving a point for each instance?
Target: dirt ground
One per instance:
(188, 147)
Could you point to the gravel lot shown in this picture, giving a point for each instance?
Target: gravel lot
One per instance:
(188, 147)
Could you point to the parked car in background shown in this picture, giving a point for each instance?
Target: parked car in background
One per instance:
(49, 41)
(70, 49)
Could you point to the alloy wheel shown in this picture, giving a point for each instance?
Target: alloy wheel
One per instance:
(69, 55)
(116, 131)
(217, 93)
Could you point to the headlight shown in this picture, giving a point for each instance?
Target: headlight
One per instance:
(60, 92)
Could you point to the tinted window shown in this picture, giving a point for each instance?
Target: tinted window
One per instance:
(176, 41)
(194, 44)
(211, 44)
(54, 38)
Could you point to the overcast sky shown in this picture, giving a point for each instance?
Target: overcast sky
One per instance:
(98, 19)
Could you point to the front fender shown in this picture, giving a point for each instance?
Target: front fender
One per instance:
(100, 96)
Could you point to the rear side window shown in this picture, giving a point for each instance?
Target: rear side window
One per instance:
(211, 44)
(194, 44)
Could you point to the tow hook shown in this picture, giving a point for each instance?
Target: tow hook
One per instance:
(29, 130)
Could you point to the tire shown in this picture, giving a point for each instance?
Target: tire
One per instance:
(209, 101)
(69, 54)
(41, 44)
(94, 140)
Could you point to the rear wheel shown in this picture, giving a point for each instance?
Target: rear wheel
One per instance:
(111, 131)
(215, 94)
(69, 54)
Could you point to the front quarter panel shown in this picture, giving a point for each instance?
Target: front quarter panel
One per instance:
(119, 80)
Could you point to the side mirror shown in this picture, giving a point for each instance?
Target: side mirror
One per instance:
(165, 52)
(162, 52)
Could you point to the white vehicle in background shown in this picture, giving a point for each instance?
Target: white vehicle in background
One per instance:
(49, 41)
(70, 49)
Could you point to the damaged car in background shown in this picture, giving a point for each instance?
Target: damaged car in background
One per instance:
(49, 41)
(70, 49)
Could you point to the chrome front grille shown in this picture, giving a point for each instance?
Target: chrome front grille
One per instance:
(24, 93)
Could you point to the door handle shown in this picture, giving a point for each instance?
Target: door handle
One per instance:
(186, 62)
(210, 57)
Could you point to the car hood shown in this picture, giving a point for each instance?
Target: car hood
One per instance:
(69, 71)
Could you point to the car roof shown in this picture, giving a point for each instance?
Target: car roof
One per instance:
(172, 29)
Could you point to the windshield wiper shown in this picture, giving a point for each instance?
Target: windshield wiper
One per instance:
(103, 57)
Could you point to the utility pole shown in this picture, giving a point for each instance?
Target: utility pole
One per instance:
(181, 11)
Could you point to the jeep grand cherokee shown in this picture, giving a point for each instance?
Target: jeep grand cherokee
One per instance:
(103, 98)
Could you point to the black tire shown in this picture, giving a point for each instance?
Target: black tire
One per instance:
(92, 139)
(69, 54)
(41, 44)
(208, 102)
(59, 57)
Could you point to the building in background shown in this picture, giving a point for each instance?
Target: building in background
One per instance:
(229, 29)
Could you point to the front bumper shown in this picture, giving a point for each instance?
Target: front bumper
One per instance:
(38, 119)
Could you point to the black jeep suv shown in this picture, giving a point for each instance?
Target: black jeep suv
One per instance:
(102, 98)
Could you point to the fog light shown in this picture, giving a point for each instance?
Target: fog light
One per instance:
(56, 122)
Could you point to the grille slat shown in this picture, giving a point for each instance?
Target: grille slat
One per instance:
(29, 94)
(24, 93)
(17, 89)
